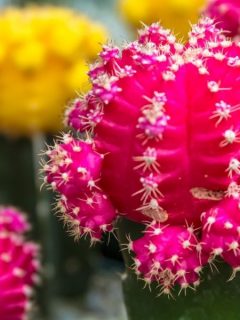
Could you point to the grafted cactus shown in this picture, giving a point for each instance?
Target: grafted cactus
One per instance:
(19, 265)
(161, 124)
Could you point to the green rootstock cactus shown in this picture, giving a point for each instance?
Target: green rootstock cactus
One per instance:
(213, 299)
(161, 126)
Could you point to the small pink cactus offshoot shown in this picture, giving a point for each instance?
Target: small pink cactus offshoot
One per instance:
(82, 115)
(74, 167)
(18, 266)
(92, 214)
(163, 132)
(227, 15)
(12, 220)
(160, 259)
(74, 170)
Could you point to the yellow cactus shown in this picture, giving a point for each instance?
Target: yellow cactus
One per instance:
(173, 14)
(43, 63)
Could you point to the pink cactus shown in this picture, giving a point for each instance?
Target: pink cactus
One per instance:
(12, 220)
(162, 126)
(74, 170)
(18, 266)
(227, 14)
(74, 167)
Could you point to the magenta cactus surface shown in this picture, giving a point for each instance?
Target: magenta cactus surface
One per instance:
(162, 133)
(19, 265)
(227, 14)
(12, 220)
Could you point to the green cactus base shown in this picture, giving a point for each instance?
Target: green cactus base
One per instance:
(214, 299)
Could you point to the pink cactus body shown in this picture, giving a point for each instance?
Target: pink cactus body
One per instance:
(18, 266)
(168, 132)
(227, 14)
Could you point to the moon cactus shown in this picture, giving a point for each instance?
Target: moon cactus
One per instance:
(162, 133)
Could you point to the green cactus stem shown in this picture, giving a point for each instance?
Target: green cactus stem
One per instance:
(215, 298)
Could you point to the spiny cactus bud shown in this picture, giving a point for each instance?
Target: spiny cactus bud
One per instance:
(169, 130)
(93, 214)
(74, 170)
(227, 14)
(168, 255)
(73, 167)
(221, 233)
(81, 116)
(19, 266)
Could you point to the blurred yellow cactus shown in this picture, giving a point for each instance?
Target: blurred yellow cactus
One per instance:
(173, 14)
(43, 62)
